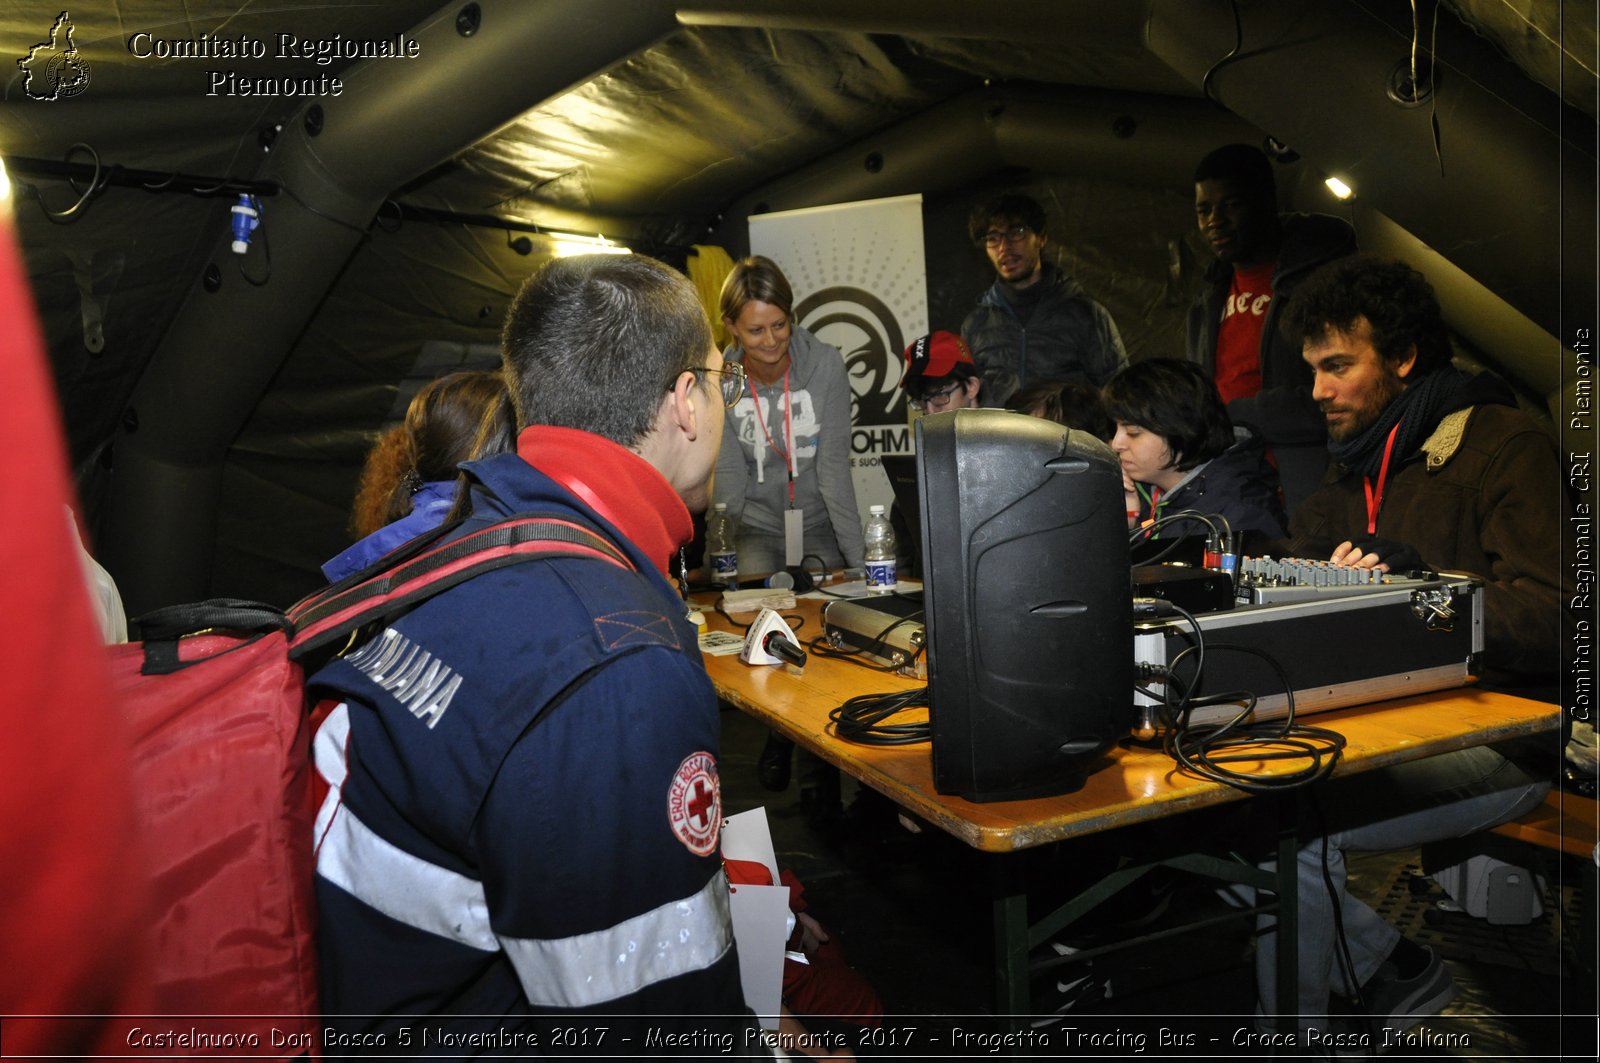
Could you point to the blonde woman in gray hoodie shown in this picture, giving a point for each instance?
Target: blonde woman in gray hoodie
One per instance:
(786, 449)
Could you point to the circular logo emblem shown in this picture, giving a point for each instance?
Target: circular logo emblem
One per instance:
(868, 334)
(694, 804)
(67, 75)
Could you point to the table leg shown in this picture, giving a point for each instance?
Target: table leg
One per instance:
(1012, 997)
(1288, 888)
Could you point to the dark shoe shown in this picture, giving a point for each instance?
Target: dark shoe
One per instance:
(1398, 1004)
(773, 766)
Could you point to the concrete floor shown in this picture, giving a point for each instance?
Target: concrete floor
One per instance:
(912, 913)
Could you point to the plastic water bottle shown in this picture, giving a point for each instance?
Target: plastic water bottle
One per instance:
(880, 553)
(721, 548)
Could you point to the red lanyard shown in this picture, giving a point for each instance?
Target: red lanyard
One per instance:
(788, 430)
(1375, 498)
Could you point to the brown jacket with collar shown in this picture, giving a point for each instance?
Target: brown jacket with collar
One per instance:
(1482, 495)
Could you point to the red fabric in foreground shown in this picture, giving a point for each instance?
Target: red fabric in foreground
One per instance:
(72, 869)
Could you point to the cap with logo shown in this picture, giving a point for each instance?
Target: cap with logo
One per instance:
(935, 355)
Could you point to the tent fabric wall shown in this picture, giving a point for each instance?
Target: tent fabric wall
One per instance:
(695, 116)
(291, 474)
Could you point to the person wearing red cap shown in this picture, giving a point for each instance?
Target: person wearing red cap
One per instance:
(940, 374)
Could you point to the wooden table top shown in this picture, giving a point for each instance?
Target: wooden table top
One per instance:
(1134, 785)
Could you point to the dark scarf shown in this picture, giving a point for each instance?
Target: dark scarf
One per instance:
(1417, 411)
(1024, 301)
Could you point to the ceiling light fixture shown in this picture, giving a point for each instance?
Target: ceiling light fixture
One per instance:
(564, 245)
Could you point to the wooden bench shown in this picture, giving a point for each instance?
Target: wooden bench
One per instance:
(1565, 821)
(1569, 823)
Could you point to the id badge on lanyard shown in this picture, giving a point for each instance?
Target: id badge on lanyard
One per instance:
(793, 536)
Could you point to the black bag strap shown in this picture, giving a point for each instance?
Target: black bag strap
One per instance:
(162, 629)
(333, 613)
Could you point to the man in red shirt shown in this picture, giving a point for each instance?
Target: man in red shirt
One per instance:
(1233, 323)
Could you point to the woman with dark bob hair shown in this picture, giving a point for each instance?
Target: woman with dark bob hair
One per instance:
(1180, 450)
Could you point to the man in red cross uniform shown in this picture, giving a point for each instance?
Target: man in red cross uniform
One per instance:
(521, 826)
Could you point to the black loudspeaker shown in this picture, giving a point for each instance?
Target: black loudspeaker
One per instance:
(1028, 607)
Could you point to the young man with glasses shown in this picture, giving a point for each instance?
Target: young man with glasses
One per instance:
(1035, 322)
(940, 374)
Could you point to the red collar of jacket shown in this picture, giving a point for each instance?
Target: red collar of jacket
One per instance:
(619, 485)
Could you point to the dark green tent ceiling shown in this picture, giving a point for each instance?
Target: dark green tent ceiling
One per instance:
(666, 123)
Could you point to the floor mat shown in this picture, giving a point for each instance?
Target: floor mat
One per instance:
(1412, 902)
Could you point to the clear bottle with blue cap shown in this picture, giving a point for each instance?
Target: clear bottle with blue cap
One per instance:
(722, 548)
(880, 552)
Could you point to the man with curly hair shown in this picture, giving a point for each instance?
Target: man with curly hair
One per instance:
(1432, 468)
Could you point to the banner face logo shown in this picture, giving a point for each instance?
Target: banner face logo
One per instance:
(868, 334)
(55, 69)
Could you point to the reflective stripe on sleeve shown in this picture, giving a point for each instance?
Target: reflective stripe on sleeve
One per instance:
(677, 938)
(404, 887)
(328, 754)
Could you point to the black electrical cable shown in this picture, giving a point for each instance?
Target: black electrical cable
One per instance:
(1170, 547)
(1233, 53)
(1346, 962)
(826, 572)
(1206, 751)
(98, 181)
(324, 215)
(1145, 531)
(861, 719)
(822, 567)
(1222, 536)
